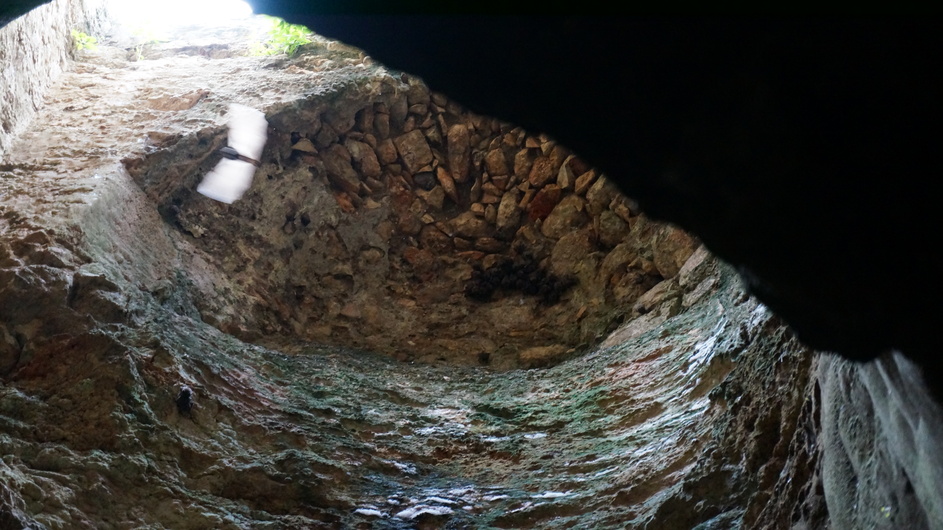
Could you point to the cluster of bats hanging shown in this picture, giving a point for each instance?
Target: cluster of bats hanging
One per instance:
(232, 176)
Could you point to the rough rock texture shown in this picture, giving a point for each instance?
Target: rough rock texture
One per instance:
(34, 50)
(119, 286)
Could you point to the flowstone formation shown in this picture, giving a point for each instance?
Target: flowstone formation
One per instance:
(173, 362)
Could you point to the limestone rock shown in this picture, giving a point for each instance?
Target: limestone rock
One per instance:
(413, 150)
(568, 215)
(459, 151)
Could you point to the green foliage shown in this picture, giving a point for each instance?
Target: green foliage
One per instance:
(282, 38)
(84, 41)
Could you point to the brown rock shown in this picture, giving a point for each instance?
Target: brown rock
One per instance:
(584, 181)
(567, 216)
(448, 185)
(541, 172)
(432, 133)
(558, 155)
(341, 122)
(364, 119)
(611, 229)
(500, 181)
(435, 197)
(565, 177)
(471, 256)
(365, 159)
(305, 146)
(474, 194)
(409, 223)
(532, 143)
(489, 244)
(414, 150)
(571, 253)
(422, 261)
(491, 213)
(489, 198)
(523, 161)
(528, 196)
(539, 356)
(495, 163)
(477, 208)
(399, 109)
(386, 152)
(671, 247)
(409, 124)
(325, 137)
(459, 151)
(381, 124)
(600, 195)
(615, 264)
(419, 109)
(509, 214)
(470, 226)
(417, 93)
(544, 202)
(433, 239)
(462, 243)
(491, 189)
(339, 170)
(343, 200)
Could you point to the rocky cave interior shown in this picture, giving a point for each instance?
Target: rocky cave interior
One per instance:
(419, 316)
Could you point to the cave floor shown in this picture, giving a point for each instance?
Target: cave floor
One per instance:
(634, 433)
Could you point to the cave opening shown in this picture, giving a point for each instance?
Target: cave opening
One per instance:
(416, 317)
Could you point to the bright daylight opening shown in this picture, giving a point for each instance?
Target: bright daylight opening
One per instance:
(158, 17)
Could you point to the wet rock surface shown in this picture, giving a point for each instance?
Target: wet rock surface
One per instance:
(291, 317)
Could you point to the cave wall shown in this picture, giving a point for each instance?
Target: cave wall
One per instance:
(34, 50)
(880, 433)
(393, 219)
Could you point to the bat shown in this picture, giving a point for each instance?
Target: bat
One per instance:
(232, 176)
